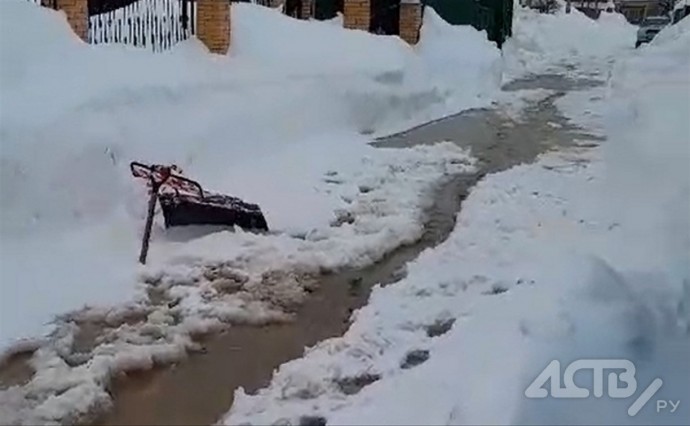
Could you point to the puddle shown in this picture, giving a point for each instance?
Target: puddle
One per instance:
(556, 82)
(496, 140)
(199, 389)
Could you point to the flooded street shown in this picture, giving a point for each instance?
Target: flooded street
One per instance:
(200, 389)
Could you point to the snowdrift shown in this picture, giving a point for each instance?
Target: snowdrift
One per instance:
(439, 47)
(650, 137)
(267, 37)
(543, 43)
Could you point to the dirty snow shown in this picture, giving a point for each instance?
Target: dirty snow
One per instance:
(584, 254)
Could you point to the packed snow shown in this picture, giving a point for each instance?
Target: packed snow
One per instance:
(280, 124)
(584, 254)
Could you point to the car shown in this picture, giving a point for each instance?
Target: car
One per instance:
(650, 27)
(680, 10)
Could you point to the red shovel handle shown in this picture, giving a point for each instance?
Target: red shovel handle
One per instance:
(163, 175)
(158, 176)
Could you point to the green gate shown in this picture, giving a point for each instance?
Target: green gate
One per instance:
(494, 16)
(327, 9)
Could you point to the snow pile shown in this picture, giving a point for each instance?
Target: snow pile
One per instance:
(543, 43)
(649, 151)
(291, 47)
(584, 255)
(473, 68)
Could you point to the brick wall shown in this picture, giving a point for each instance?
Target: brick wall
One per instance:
(77, 12)
(213, 24)
(356, 14)
(410, 21)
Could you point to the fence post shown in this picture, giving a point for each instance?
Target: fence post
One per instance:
(213, 24)
(307, 9)
(357, 14)
(77, 12)
(410, 20)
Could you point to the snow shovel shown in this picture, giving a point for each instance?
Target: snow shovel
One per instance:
(184, 202)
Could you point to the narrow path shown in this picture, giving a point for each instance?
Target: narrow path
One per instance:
(200, 389)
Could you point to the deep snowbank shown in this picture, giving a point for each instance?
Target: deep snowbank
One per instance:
(474, 72)
(543, 43)
(649, 149)
(584, 255)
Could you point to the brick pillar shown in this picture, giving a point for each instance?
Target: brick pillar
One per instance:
(306, 9)
(77, 12)
(213, 24)
(410, 21)
(357, 14)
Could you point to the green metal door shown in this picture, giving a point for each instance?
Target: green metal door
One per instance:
(455, 12)
(501, 25)
(327, 9)
(494, 16)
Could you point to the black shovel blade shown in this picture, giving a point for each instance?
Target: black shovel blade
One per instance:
(214, 209)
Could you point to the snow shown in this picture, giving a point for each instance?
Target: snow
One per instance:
(584, 254)
(294, 46)
(478, 61)
(544, 43)
(275, 122)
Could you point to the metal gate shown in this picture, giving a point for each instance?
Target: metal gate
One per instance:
(384, 17)
(494, 16)
(327, 9)
(154, 24)
(293, 8)
(501, 25)
(45, 3)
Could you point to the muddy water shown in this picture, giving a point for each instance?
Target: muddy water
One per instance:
(200, 389)
(15, 370)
